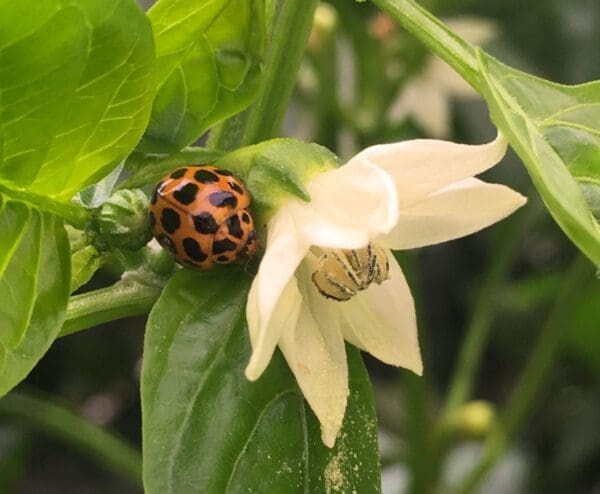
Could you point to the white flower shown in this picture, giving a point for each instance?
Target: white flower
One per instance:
(427, 96)
(397, 196)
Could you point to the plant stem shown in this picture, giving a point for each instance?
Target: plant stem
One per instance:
(126, 298)
(454, 50)
(263, 119)
(61, 423)
(480, 324)
(524, 395)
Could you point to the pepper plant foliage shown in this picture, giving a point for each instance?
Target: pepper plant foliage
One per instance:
(86, 85)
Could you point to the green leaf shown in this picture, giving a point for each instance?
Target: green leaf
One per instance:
(77, 86)
(209, 58)
(34, 287)
(207, 429)
(555, 129)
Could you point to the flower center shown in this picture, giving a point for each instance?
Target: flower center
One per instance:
(343, 273)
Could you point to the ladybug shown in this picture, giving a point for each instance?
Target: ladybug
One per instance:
(200, 215)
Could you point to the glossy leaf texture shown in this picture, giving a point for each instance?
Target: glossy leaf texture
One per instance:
(76, 81)
(34, 287)
(209, 58)
(207, 429)
(555, 129)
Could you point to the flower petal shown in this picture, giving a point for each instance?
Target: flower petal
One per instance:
(427, 102)
(455, 211)
(314, 349)
(349, 205)
(382, 321)
(283, 254)
(265, 338)
(422, 166)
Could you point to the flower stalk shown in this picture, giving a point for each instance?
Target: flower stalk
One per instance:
(57, 421)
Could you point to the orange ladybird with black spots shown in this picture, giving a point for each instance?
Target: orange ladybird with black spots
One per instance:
(201, 215)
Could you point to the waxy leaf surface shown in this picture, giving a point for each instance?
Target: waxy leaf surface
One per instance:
(34, 287)
(207, 429)
(76, 88)
(209, 58)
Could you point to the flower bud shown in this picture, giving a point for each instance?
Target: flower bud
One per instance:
(122, 222)
(324, 26)
(473, 419)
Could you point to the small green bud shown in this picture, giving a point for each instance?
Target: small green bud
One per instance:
(84, 263)
(121, 222)
(85, 259)
(473, 419)
(324, 25)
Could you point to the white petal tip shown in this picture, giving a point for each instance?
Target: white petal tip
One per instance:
(328, 436)
(418, 370)
(252, 372)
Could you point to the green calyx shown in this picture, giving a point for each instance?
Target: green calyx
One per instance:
(278, 170)
(121, 222)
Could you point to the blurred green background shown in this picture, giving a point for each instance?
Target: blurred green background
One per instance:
(364, 81)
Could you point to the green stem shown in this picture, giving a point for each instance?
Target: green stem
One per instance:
(421, 442)
(126, 298)
(263, 119)
(480, 324)
(61, 423)
(454, 50)
(524, 395)
(73, 214)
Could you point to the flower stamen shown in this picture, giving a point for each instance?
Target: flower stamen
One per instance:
(343, 273)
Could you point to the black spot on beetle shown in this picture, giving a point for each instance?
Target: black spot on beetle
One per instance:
(170, 220)
(222, 199)
(235, 229)
(206, 177)
(155, 192)
(152, 220)
(220, 246)
(252, 236)
(223, 259)
(245, 217)
(186, 194)
(205, 223)
(235, 187)
(180, 172)
(167, 243)
(223, 173)
(192, 249)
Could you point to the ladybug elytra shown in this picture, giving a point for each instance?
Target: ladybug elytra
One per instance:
(200, 215)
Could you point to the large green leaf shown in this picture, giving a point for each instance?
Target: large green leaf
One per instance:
(34, 287)
(208, 63)
(76, 88)
(206, 429)
(555, 129)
